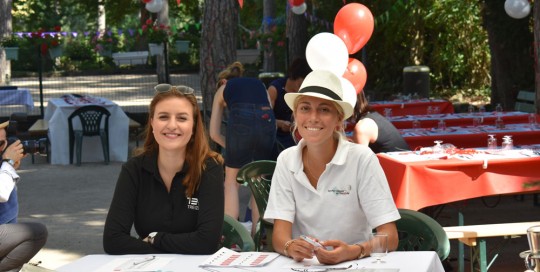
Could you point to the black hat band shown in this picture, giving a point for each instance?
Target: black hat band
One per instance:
(321, 90)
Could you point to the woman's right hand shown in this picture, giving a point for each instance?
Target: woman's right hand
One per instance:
(300, 250)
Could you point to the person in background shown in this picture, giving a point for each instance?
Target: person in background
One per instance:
(171, 191)
(326, 186)
(250, 133)
(374, 130)
(19, 242)
(298, 70)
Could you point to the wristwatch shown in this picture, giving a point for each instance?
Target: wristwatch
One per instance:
(151, 237)
(10, 161)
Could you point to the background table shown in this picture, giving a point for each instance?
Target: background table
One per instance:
(460, 119)
(406, 261)
(412, 107)
(419, 184)
(462, 137)
(57, 113)
(17, 97)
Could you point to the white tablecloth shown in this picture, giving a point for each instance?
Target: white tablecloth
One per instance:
(405, 261)
(57, 113)
(17, 97)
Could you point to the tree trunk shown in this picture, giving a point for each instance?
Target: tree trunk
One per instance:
(5, 31)
(269, 11)
(101, 21)
(536, 16)
(297, 36)
(510, 40)
(218, 46)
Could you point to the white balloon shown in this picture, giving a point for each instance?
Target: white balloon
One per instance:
(349, 93)
(326, 51)
(299, 9)
(154, 6)
(517, 9)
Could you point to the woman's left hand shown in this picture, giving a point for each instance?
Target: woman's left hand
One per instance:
(341, 252)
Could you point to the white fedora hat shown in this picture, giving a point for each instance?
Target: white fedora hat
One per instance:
(4, 125)
(322, 84)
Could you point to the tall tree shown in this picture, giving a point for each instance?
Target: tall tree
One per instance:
(5, 31)
(218, 46)
(297, 36)
(510, 41)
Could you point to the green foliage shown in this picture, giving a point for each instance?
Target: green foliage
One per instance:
(10, 41)
(79, 50)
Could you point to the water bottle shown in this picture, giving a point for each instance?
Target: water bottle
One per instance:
(491, 142)
(508, 143)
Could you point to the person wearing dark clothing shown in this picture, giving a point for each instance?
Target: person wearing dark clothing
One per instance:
(19, 241)
(374, 130)
(277, 90)
(250, 133)
(171, 192)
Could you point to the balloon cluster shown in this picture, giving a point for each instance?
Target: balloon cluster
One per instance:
(153, 6)
(517, 9)
(353, 26)
(298, 6)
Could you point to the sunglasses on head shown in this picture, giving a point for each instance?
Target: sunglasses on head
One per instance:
(164, 87)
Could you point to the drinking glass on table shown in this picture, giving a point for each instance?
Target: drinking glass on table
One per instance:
(429, 110)
(388, 113)
(499, 109)
(416, 124)
(441, 125)
(532, 120)
(508, 143)
(379, 246)
(499, 123)
(491, 142)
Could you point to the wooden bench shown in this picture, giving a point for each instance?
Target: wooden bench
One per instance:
(474, 236)
(134, 127)
(525, 102)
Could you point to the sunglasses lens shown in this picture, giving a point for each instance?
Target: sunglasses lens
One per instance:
(160, 88)
(184, 89)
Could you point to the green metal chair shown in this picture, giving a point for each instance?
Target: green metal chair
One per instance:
(258, 175)
(90, 118)
(419, 232)
(235, 236)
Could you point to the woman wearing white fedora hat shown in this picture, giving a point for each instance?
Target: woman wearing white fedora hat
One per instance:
(327, 187)
(19, 242)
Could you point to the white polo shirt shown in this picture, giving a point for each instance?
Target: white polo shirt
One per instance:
(352, 196)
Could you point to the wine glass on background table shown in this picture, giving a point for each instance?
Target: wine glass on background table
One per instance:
(379, 246)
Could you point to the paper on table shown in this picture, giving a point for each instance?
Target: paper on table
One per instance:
(315, 265)
(229, 258)
(135, 264)
(375, 270)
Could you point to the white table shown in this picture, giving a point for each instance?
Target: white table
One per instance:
(57, 113)
(406, 261)
(17, 97)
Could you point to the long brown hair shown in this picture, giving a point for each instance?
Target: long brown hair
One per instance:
(362, 107)
(197, 150)
(235, 69)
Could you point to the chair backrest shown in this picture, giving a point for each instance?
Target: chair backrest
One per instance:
(235, 236)
(90, 117)
(258, 175)
(525, 102)
(419, 232)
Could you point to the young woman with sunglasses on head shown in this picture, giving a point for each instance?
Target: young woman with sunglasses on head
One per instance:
(19, 241)
(172, 190)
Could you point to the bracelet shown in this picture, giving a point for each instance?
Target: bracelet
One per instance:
(362, 251)
(287, 245)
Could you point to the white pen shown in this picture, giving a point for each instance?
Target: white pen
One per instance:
(144, 261)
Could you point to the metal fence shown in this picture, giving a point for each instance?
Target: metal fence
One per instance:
(132, 92)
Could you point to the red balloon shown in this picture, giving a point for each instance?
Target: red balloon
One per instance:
(295, 3)
(354, 25)
(356, 74)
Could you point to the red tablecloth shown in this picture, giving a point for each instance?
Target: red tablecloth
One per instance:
(460, 119)
(420, 184)
(464, 137)
(412, 107)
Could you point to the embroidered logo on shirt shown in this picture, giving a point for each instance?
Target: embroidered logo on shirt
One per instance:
(193, 203)
(338, 191)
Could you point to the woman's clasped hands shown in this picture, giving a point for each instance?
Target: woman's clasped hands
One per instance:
(327, 252)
